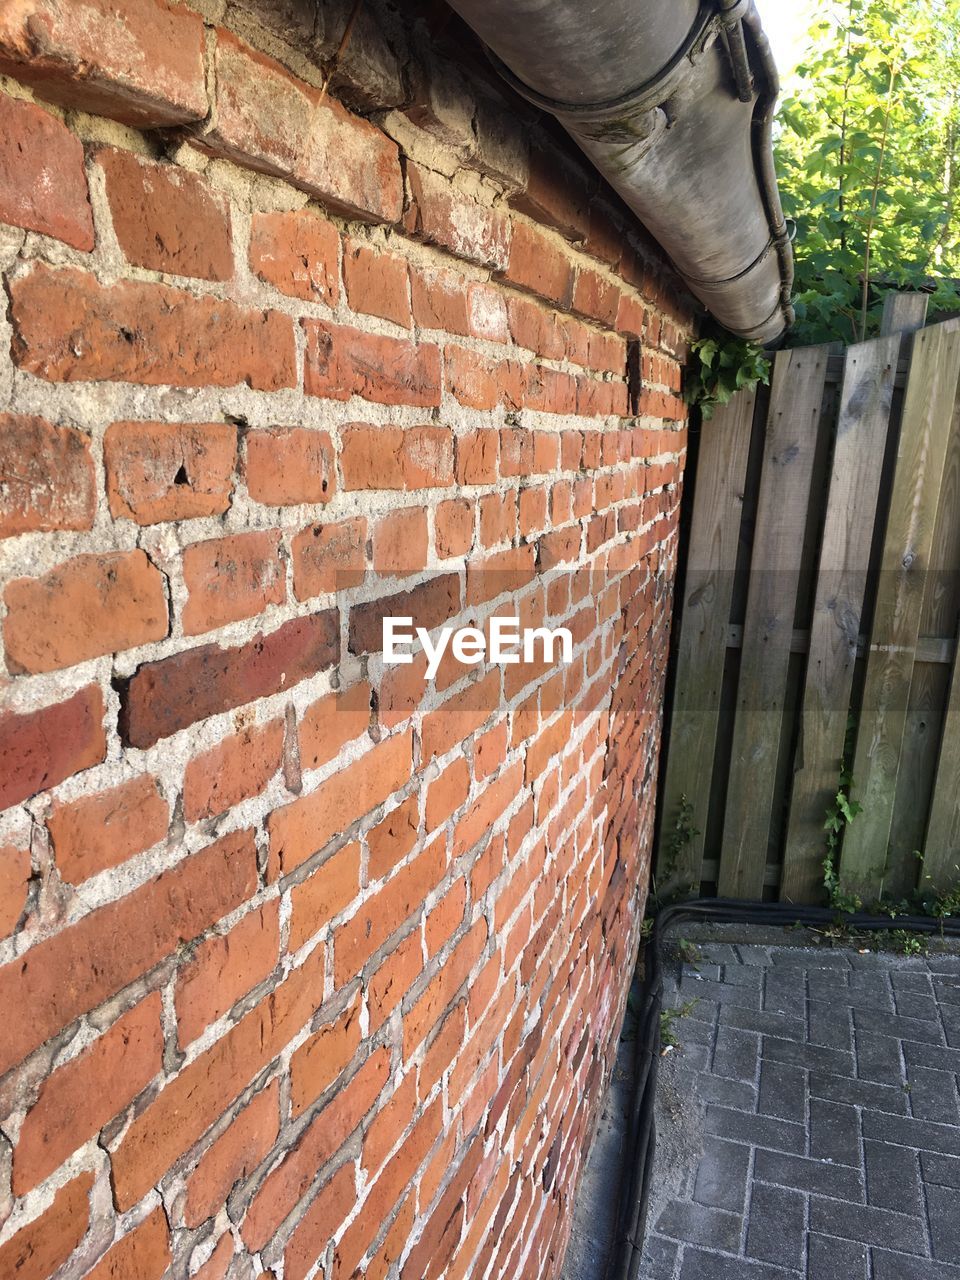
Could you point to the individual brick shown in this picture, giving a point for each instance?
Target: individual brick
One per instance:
(377, 284)
(158, 471)
(100, 831)
(228, 579)
(143, 1252)
(166, 218)
(453, 221)
(287, 466)
(267, 119)
(396, 457)
(237, 768)
(400, 542)
(298, 253)
(328, 890)
(68, 328)
(233, 1156)
(48, 478)
(43, 186)
(538, 265)
(328, 724)
(453, 527)
(39, 749)
(89, 961)
(86, 607)
(166, 696)
(329, 557)
(77, 1099)
(39, 1249)
(323, 1056)
(15, 874)
(153, 76)
(341, 362)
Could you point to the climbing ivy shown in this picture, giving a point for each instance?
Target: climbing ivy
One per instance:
(720, 367)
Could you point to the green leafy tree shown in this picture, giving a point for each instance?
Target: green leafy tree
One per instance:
(869, 160)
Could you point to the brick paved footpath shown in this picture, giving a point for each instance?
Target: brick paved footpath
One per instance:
(827, 1083)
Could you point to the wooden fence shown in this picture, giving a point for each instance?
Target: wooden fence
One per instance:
(818, 618)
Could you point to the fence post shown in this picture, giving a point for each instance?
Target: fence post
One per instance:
(903, 313)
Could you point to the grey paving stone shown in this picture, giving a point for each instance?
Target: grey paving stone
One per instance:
(770, 1024)
(739, 1094)
(947, 989)
(906, 1132)
(879, 1227)
(753, 955)
(916, 980)
(824, 984)
(885, 1024)
(736, 1054)
(722, 1175)
(809, 958)
(943, 1211)
(914, 1003)
(719, 952)
(834, 1132)
(743, 975)
(893, 1177)
(783, 993)
(950, 1015)
(803, 1174)
(783, 1091)
(703, 972)
(859, 1093)
(895, 1266)
(660, 1258)
(832, 1259)
(700, 1265)
(775, 1227)
(695, 1055)
(720, 992)
(944, 1171)
(944, 964)
(829, 1023)
(929, 1055)
(933, 1095)
(699, 1224)
(756, 1131)
(878, 1058)
(812, 1056)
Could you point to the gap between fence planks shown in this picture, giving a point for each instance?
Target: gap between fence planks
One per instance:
(863, 421)
(708, 593)
(799, 381)
(924, 435)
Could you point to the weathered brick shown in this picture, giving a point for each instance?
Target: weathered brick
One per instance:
(269, 120)
(329, 557)
(43, 186)
(453, 526)
(478, 456)
(341, 362)
(86, 607)
(237, 768)
(301, 828)
(75, 970)
(163, 697)
(317, 1226)
(144, 1252)
(199, 1095)
(224, 968)
(400, 542)
(429, 604)
(70, 328)
(218, 1264)
(77, 1099)
(324, 894)
(160, 471)
(298, 253)
(447, 794)
(328, 724)
(39, 749)
(439, 300)
(377, 284)
(228, 579)
(48, 478)
(453, 221)
(100, 831)
(396, 457)
(557, 193)
(394, 978)
(322, 1057)
(391, 840)
(539, 265)
(14, 886)
(39, 1249)
(460, 716)
(166, 218)
(233, 1156)
(596, 297)
(287, 466)
(151, 76)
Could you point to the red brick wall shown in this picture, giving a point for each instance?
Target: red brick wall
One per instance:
(307, 964)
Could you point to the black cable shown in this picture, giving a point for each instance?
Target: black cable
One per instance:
(641, 1143)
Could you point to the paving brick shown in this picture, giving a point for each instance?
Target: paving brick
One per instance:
(815, 1058)
(758, 1131)
(700, 1224)
(721, 992)
(659, 1259)
(859, 1093)
(814, 1176)
(722, 1175)
(893, 1177)
(782, 1091)
(831, 1259)
(829, 1024)
(775, 1230)
(943, 1171)
(931, 1055)
(783, 993)
(933, 1095)
(771, 1024)
(870, 1226)
(922, 1134)
(736, 1054)
(699, 1265)
(739, 1094)
(943, 1212)
(878, 1058)
(834, 1132)
(884, 1024)
(896, 1266)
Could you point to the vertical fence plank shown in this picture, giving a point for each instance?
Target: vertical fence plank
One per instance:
(903, 313)
(924, 434)
(701, 648)
(862, 425)
(798, 389)
(941, 849)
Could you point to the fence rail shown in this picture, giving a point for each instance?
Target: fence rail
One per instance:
(818, 624)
